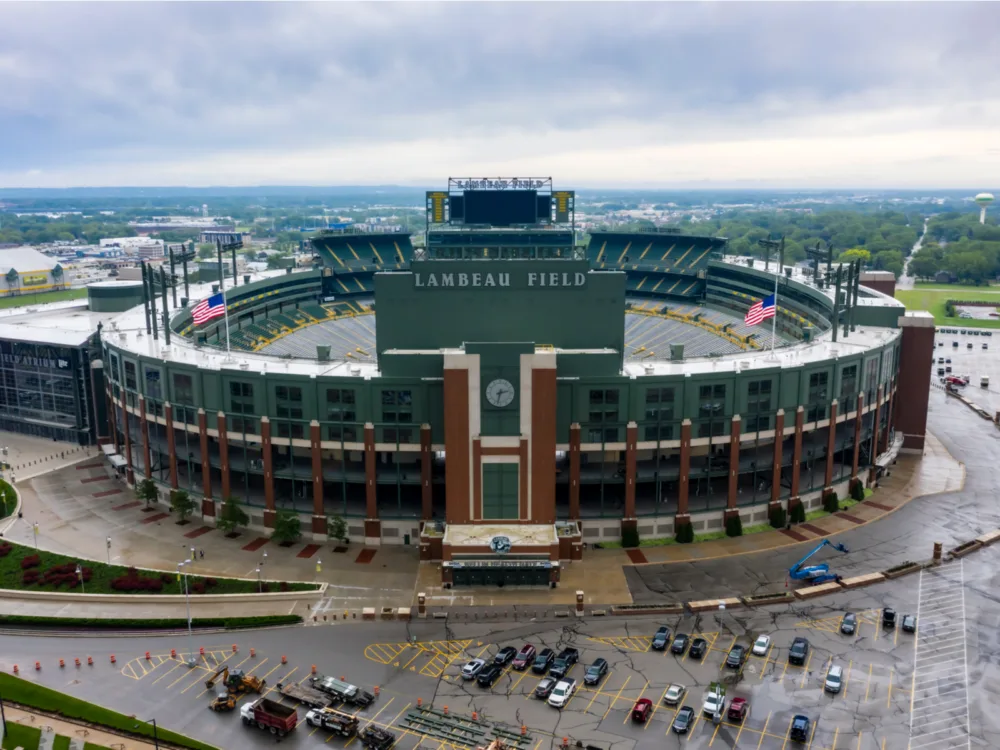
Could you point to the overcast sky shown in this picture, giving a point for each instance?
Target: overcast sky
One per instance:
(594, 94)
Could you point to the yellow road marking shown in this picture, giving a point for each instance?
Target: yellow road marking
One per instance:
(611, 705)
(847, 677)
(785, 741)
(628, 713)
(235, 667)
(411, 660)
(693, 727)
(836, 733)
(764, 730)
(372, 720)
(812, 735)
(805, 670)
(869, 683)
(888, 696)
(717, 726)
(274, 688)
(523, 675)
(178, 664)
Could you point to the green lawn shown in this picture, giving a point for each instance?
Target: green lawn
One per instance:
(8, 500)
(28, 737)
(21, 300)
(101, 575)
(933, 299)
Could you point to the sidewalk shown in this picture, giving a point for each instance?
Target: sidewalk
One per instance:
(77, 733)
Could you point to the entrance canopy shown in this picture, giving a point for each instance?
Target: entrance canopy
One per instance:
(517, 535)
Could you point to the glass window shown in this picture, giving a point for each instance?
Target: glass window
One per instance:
(183, 389)
(848, 386)
(130, 378)
(340, 406)
(241, 398)
(712, 400)
(758, 397)
(153, 389)
(397, 408)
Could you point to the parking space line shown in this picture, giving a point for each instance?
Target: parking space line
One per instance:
(847, 679)
(694, 726)
(178, 664)
(523, 675)
(868, 684)
(656, 707)
(629, 713)
(888, 696)
(785, 741)
(805, 670)
(764, 730)
(611, 704)
(372, 720)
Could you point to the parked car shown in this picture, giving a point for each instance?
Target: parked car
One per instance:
(474, 667)
(674, 695)
(738, 709)
(909, 624)
(715, 702)
(834, 679)
(889, 618)
(761, 645)
(595, 672)
(543, 660)
(505, 656)
(799, 651)
(683, 720)
(737, 655)
(564, 662)
(799, 730)
(661, 638)
(849, 625)
(699, 646)
(642, 710)
(680, 644)
(544, 687)
(562, 692)
(524, 657)
(488, 675)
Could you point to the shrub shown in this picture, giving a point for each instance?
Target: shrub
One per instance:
(29, 577)
(181, 502)
(684, 533)
(831, 503)
(132, 581)
(146, 492)
(734, 525)
(857, 490)
(778, 517)
(5, 549)
(287, 527)
(31, 561)
(630, 536)
(797, 512)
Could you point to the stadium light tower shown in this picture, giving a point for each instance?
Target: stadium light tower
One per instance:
(984, 200)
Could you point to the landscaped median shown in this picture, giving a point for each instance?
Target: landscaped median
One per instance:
(31, 695)
(31, 622)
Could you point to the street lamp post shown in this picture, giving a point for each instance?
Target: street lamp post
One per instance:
(156, 740)
(34, 528)
(79, 574)
(109, 550)
(187, 599)
(260, 588)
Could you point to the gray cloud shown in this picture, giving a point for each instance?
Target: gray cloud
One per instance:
(110, 83)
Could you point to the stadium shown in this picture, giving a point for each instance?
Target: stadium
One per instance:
(503, 395)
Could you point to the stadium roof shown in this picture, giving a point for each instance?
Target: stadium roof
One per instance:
(58, 324)
(25, 258)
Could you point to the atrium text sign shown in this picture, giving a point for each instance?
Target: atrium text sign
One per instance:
(500, 280)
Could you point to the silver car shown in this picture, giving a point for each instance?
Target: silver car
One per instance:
(834, 679)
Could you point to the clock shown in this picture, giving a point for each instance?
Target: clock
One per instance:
(500, 393)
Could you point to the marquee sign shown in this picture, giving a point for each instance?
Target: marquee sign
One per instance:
(506, 279)
(500, 183)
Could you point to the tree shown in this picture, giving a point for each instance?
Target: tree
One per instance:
(146, 492)
(206, 250)
(231, 516)
(854, 253)
(277, 260)
(336, 528)
(889, 260)
(287, 527)
(181, 502)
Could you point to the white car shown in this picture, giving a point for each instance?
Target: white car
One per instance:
(834, 678)
(474, 667)
(562, 692)
(714, 703)
(761, 645)
(674, 695)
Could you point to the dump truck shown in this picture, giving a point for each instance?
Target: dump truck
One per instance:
(333, 721)
(305, 695)
(237, 682)
(342, 692)
(267, 714)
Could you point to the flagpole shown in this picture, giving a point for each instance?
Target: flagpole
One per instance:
(774, 319)
(222, 288)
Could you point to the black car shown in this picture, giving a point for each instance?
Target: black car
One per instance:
(489, 675)
(544, 687)
(543, 661)
(849, 625)
(799, 651)
(889, 618)
(683, 720)
(562, 664)
(505, 656)
(680, 644)
(737, 655)
(909, 624)
(698, 648)
(595, 672)
(661, 638)
(799, 730)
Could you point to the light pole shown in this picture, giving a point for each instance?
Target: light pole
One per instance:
(260, 588)
(109, 550)
(79, 574)
(156, 741)
(34, 528)
(187, 598)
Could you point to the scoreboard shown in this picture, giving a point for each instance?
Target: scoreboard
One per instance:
(500, 203)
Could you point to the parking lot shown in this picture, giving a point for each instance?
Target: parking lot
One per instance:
(973, 363)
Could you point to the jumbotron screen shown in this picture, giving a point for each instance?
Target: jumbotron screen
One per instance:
(499, 208)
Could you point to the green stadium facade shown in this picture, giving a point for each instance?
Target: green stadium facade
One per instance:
(502, 398)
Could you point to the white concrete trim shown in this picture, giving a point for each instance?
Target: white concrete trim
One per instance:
(496, 460)
(499, 441)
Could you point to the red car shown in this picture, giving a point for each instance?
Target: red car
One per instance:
(738, 709)
(641, 710)
(524, 657)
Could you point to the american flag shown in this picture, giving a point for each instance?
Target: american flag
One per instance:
(761, 311)
(209, 308)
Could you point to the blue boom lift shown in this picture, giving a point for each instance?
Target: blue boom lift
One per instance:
(815, 573)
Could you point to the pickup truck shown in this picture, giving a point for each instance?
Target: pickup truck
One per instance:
(305, 695)
(333, 721)
(341, 691)
(564, 662)
(267, 714)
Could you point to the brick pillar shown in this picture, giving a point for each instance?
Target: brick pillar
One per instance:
(267, 456)
(541, 449)
(888, 419)
(793, 495)
(631, 437)
(319, 514)
(875, 435)
(147, 464)
(914, 379)
(224, 454)
(426, 464)
(779, 441)
(574, 471)
(207, 506)
(95, 366)
(857, 438)
(373, 527)
(735, 427)
(168, 417)
(831, 444)
(129, 474)
(683, 518)
(113, 419)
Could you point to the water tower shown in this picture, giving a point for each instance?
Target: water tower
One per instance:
(984, 200)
